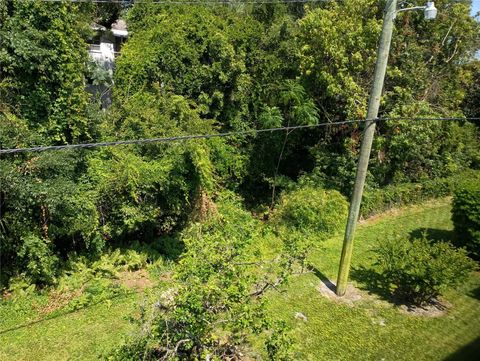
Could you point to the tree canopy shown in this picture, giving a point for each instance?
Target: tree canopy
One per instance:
(198, 69)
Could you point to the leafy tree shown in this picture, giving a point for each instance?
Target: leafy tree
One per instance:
(424, 78)
(187, 51)
(216, 300)
(233, 69)
(42, 56)
(427, 57)
(338, 51)
(47, 210)
(411, 150)
(471, 101)
(148, 190)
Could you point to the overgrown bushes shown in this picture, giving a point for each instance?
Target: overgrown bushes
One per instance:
(308, 209)
(47, 211)
(307, 216)
(215, 301)
(40, 263)
(417, 271)
(198, 70)
(466, 217)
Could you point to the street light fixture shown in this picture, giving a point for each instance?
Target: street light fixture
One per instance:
(391, 11)
(429, 10)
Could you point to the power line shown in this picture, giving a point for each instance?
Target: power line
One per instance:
(216, 135)
(168, 139)
(430, 118)
(189, 2)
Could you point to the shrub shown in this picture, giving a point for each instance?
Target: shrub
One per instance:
(39, 261)
(308, 215)
(312, 210)
(466, 218)
(47, 208)
(417, 271)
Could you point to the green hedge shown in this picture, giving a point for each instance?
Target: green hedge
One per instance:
(466, 217)
(395, 195)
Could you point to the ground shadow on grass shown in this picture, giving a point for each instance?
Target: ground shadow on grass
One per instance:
(467, 353)
(475, 294)
(434, 234)
(325, 280)
(66, 312)
(167, 247)
(374, 283)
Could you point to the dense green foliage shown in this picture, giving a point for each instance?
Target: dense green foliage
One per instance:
(42, 56)
(466, 217)
(472, 97)
(307, 216)
(312, 210)
(215, 301)
(418, 271)
(206, 69)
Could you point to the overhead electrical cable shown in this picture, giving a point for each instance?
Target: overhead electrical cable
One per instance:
(168, 139)
(208, 136)
(431, 118)
(189, 2)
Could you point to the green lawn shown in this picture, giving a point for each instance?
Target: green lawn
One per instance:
(78, 335)
(371, 329)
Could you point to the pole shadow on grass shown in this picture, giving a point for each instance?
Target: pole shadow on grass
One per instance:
(325, 280)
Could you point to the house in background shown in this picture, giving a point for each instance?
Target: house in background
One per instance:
(104, 47)
(107, 43)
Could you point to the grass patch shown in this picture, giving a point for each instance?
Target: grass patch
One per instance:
(77, 335)
(373, 329)
(87, 313)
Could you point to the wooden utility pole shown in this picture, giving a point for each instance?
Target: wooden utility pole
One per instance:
(373, 105)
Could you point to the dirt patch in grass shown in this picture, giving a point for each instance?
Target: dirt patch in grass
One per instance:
(60, 298)
(137, 280)
(392, 212)
(352, 295)
(6, 295)
(434, 309)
